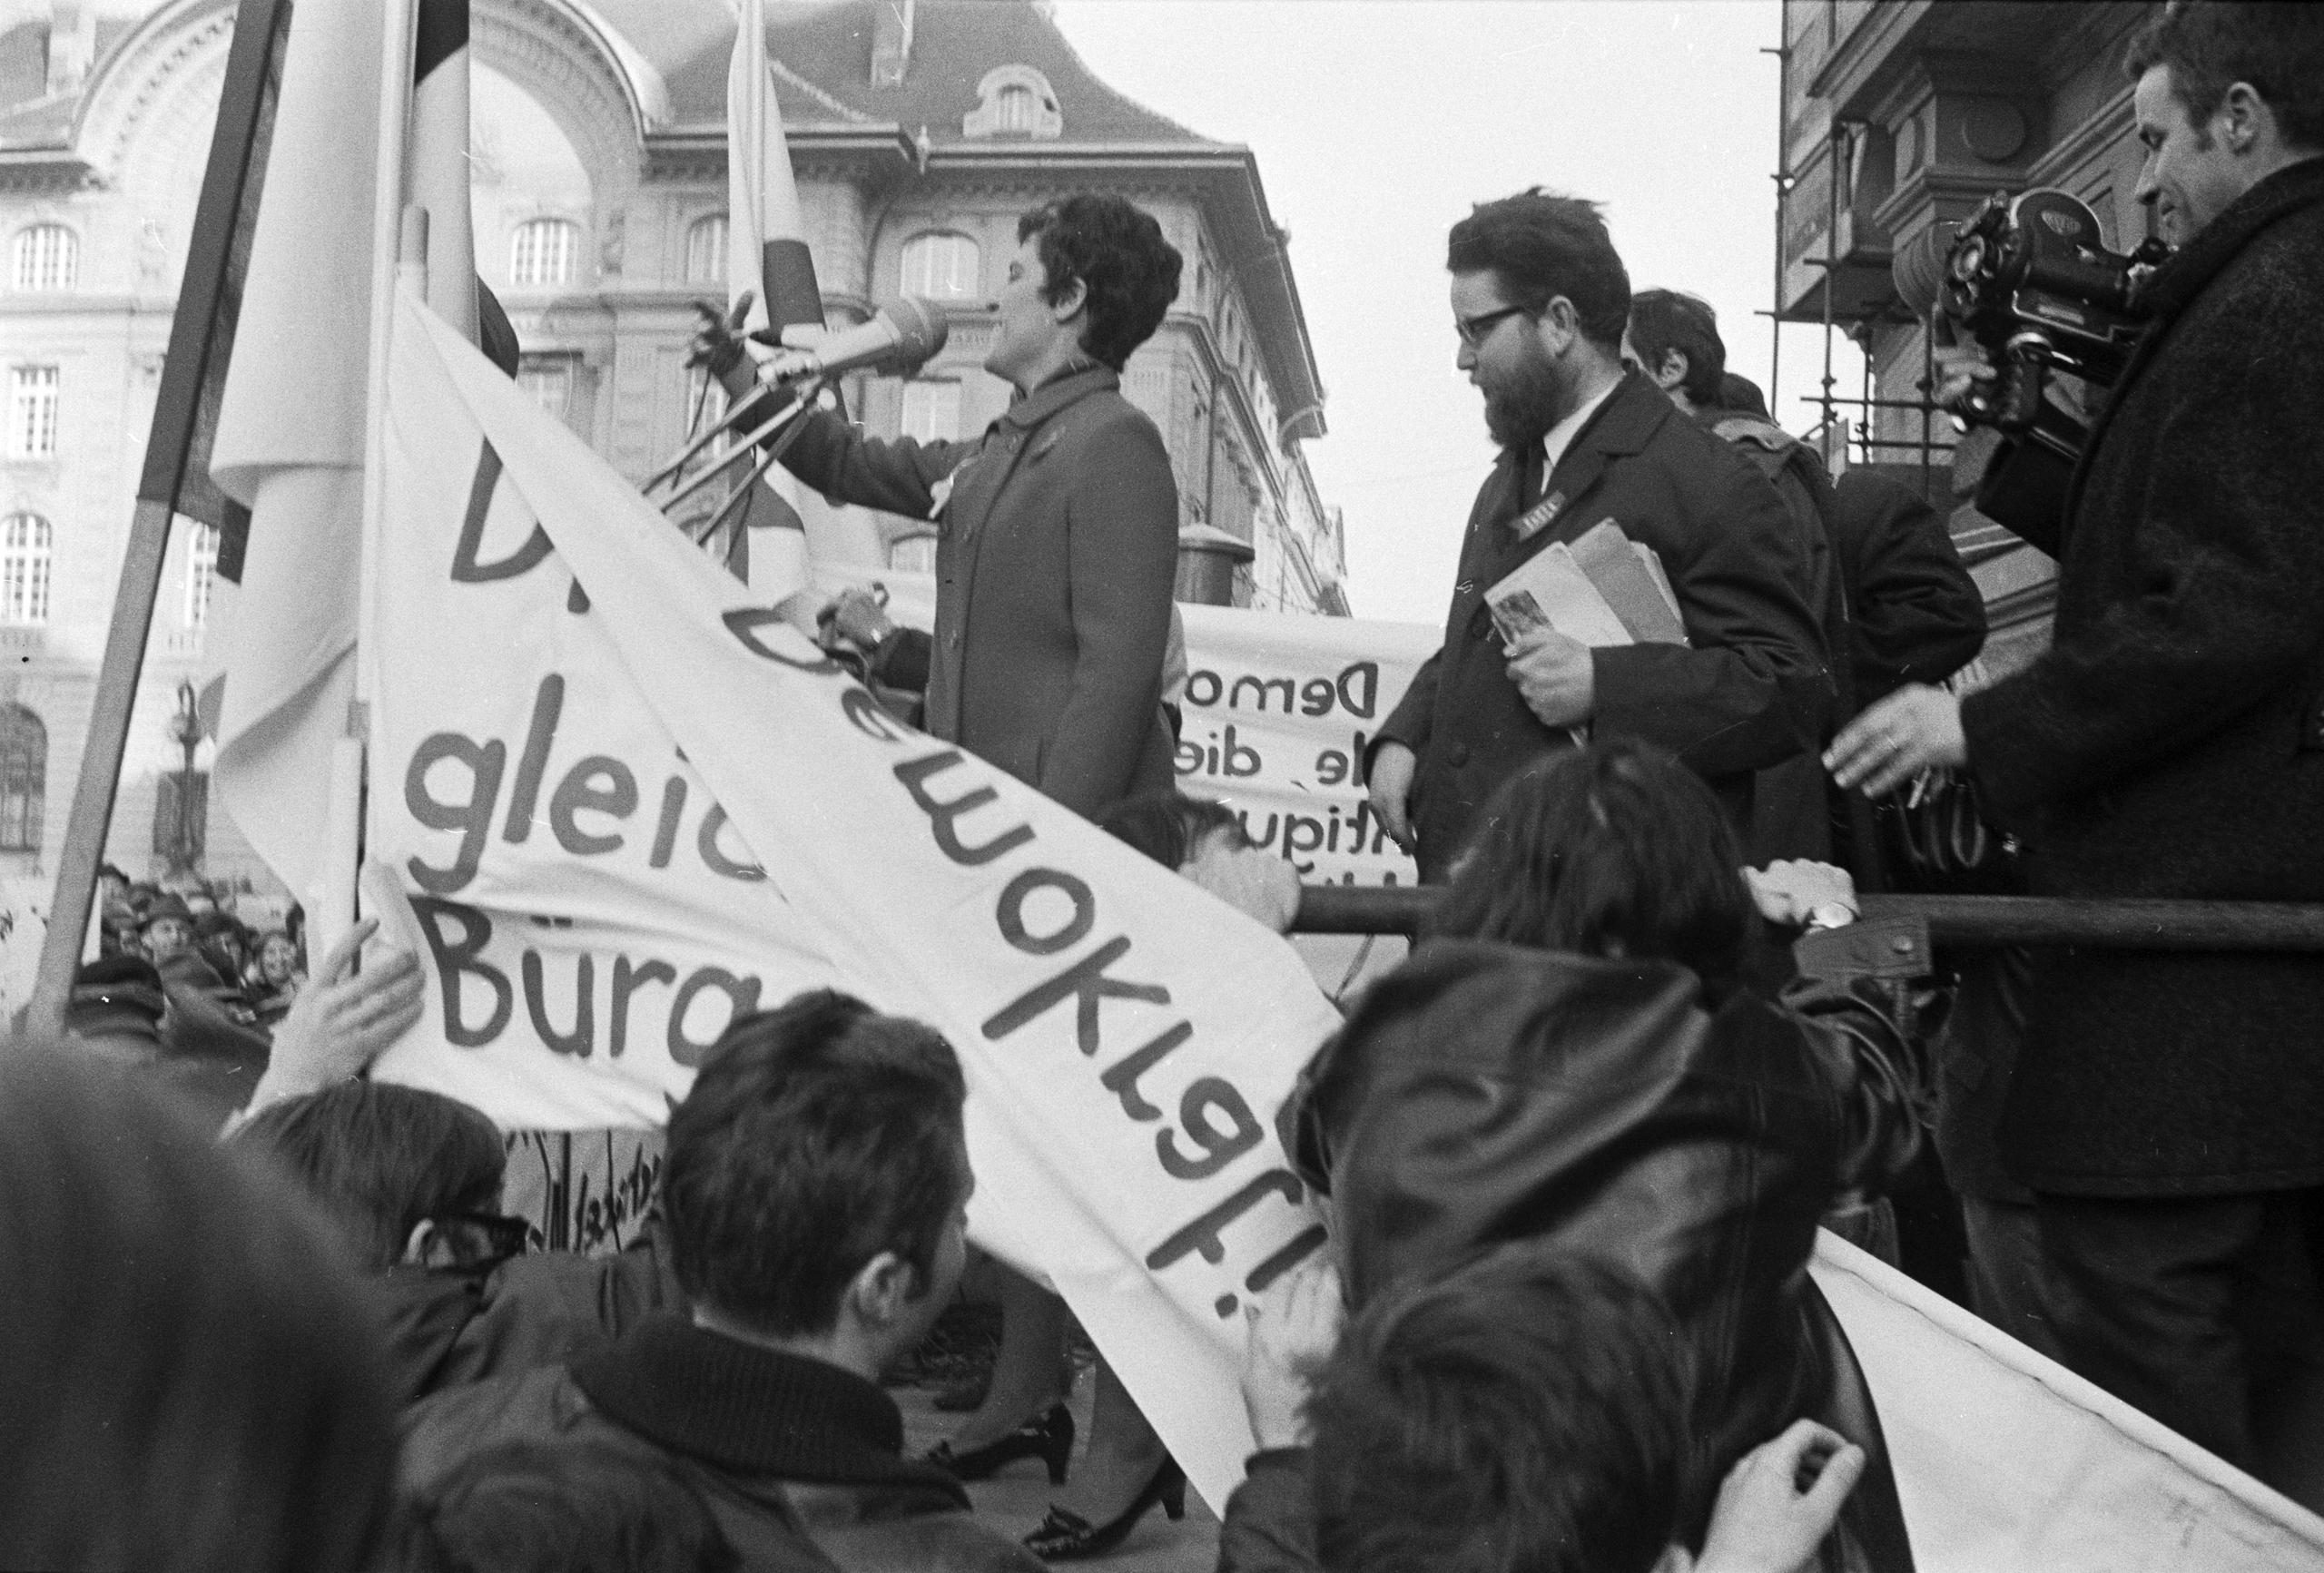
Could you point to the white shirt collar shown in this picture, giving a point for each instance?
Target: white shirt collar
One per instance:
(1558, 438)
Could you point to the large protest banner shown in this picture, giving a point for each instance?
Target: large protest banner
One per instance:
(626, 802)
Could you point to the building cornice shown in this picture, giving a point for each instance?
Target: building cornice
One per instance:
(47, 169)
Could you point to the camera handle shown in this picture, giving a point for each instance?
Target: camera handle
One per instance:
(2024, 373)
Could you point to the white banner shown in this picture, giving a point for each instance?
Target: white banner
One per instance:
(1279, 711)
(2007, 1460)
(551, 766)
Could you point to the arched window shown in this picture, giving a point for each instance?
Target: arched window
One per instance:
(200, 573)
(48, 257)
(544, 252)
(941, 267)
(23, 778)
(1019, 109)
(26, 541)
(706, 250)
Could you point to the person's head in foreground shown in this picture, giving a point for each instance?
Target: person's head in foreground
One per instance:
(1523, 1414)
(1204, 840)
(192, 1380)
(817, 1181)
(2229, 92)
(1089, 282)
(1540, 299)
(1526, 1413)
(1616, 850)
(408, 1177)
(561, 1507)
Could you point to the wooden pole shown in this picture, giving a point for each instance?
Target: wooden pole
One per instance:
(2118, 925)
(200, 339)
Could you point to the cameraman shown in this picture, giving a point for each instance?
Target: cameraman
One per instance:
(2168, 1108)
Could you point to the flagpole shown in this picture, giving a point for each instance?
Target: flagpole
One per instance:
(344, 825)
(196, 343)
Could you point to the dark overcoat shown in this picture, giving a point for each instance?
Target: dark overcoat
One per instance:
(2171, 740)
(1748, 689)
(1057, 551)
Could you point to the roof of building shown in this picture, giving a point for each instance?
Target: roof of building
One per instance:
(823, 53)
(29, 115)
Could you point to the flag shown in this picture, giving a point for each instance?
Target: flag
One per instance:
(289, 445)
(767, 243)
(767, 256)
(439, 176)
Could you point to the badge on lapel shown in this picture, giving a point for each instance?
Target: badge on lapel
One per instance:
(1538, 518)
(941, 494)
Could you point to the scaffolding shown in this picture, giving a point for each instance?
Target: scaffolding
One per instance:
(1841, 441)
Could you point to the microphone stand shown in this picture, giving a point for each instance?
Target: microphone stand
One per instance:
(737, 503)
(782, 416)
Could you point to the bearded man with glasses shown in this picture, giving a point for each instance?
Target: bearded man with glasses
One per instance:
(1540, 299)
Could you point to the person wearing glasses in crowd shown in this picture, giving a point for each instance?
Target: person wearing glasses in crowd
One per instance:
(1540, 299)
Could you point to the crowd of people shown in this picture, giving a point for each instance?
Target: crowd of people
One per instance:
(1575, 1150)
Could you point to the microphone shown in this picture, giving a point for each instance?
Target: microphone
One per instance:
(900, 337)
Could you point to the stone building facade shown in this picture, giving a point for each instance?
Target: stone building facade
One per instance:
(920, 132)
(1901, 114)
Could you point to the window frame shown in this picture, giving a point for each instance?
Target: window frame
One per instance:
(27, 569)
(23, 778)
(716, 259)
(525, 270)
(31, 273)
(33, 404)
(955, 246)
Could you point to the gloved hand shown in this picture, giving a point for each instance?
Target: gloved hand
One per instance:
(717, 345)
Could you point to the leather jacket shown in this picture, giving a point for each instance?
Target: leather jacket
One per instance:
(1485, 1093)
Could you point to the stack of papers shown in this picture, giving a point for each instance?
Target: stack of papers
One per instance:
(1602, 589)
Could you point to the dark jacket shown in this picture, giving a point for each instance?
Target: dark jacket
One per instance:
(448, 1328)
(800, 1462)
(1791, 802)
(1748, 691)
(1056, 557)
(1914, 615)
(2170, 743)
(1485, 1094)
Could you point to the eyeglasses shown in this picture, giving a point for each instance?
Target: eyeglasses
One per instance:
(1474, 330)
(476, 1241)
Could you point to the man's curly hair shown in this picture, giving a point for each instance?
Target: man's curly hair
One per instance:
(1117, 251)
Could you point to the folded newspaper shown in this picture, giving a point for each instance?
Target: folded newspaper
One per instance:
(1603, 588)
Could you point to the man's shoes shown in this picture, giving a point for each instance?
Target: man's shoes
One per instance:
(1048, 1436)
(1068, 1537)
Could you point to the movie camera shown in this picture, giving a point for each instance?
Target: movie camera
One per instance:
(2029, 278)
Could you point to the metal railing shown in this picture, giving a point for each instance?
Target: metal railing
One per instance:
(2126, 924)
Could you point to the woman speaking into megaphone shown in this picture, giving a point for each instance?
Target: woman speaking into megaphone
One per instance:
(1057, 529)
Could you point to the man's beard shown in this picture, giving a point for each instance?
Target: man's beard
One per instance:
(1524, 407)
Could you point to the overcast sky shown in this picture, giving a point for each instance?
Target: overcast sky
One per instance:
(1378, 122)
